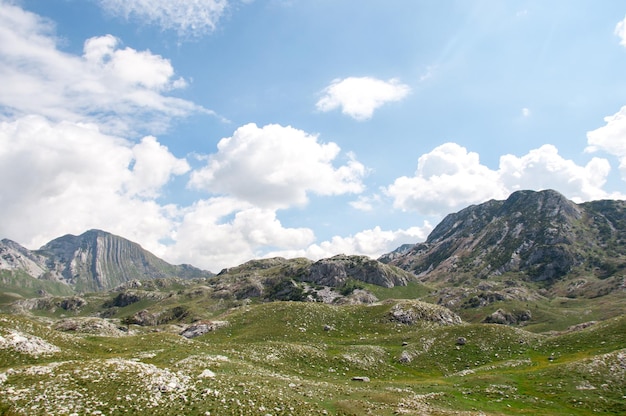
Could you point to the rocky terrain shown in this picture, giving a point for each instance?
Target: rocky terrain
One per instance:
(509, 307)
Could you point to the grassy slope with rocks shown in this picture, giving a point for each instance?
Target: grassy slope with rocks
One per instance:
(299, 358)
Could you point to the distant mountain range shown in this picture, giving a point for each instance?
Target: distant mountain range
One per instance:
(93, 261)
(530, 241)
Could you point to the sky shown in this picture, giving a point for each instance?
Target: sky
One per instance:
(213, 132)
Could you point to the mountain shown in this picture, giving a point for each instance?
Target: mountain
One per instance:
(93, 261)
(540, 236)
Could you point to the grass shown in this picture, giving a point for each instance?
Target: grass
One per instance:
(265, 363)
(297, 358)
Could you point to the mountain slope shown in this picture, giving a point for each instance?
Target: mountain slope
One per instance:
(97, 260)
(540, 234)
(93, 261)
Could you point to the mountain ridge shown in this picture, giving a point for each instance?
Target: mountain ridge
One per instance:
(92, 261)
(540, 234)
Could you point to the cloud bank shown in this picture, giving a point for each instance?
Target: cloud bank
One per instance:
(121, 89)
(450, 177)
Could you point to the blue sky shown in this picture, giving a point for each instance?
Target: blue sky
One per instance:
(216, 131)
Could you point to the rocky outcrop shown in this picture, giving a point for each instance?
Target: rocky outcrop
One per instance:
(411, 312)
(504, 317)
(91, 325)
(201, 328)
(336, 271)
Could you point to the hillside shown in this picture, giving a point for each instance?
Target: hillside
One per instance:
(297, 358)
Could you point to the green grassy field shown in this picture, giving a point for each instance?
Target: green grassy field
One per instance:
(292, 358)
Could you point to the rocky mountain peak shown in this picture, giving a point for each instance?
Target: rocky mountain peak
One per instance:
(93, 261)
(541, 234)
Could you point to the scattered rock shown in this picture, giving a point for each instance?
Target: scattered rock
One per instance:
(143, 318)
(201, 328)
(361, 379)
(504, 317)
(461, 341)
(207, 374)
(94, 326)
(405, 357)
(27, 344)
(72, 304)
(335, 271)
(413, 311)
(358, 297)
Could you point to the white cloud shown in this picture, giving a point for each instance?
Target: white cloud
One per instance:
(187, 17)
(450, 177)
(224, 232)
(373, 243)
(68, 177)
(365, 203)
(359, 97)
(446, 178)
(544, 168)
(153, 167)
(121, 89)
(611, 138)
(276, 166)
(526, 112)
(620, 31)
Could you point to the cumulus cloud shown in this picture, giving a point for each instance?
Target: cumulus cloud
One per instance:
(544, 168)
(359, 97)
(611, 138)
(153, 167)
(69, 177)
(111, 85)
(373, 243)
(186, 17)
(223, 232)
(446, 178)
(450, 177)
(365, 203)
(277, 166)
(620, 31)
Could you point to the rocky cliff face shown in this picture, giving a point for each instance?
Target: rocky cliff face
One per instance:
(93, 261)
(335, 271)
(540, 234)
